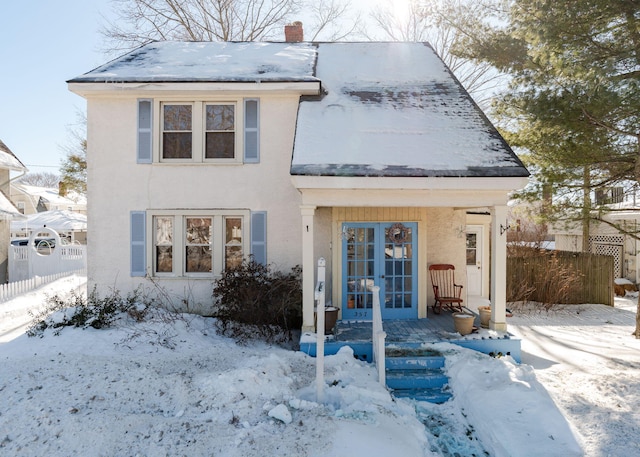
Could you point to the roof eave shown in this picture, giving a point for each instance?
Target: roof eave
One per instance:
(88, 88)
(507, 184)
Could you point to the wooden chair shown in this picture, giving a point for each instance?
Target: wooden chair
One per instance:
(445, 289)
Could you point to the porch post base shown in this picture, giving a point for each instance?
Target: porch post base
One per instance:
(498, 326)
(308, 329)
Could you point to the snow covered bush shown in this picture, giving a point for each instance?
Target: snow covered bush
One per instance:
(76, 310)
(256, 301)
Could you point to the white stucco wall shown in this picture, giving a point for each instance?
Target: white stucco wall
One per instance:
(118, 185)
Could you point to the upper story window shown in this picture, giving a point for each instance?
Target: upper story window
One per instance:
(608, 195)
(177, 132)
(220, 132)
(204, 131)
(199, 132)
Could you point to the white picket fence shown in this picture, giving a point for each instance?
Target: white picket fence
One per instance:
(13, 289)
(26, 263)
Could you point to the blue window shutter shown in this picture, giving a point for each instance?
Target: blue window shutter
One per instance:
(145, 137)
(259, 236)
(251, 130)
(138, 243)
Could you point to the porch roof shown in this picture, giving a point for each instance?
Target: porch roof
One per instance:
(395, 110)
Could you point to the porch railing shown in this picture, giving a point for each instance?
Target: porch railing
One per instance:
(379, 336)
(320, 305)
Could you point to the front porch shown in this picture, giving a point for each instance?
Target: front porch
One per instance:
(411, 334)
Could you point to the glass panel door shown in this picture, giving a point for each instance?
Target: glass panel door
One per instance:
(359, 247)
(379, 254)
(399, 272)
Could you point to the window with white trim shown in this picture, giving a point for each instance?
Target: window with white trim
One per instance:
(197, 243)
(199, 132)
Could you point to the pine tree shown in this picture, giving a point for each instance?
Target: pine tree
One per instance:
(573, 104)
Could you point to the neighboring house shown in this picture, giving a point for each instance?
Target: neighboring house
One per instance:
(620, 209)
(70, 225)
(370, 155)
(8, 163)
(35, 199)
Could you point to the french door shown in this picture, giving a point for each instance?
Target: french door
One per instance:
(384, 255)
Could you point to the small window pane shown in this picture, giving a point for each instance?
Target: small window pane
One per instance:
(198, 259)
(220, 117)
(198, 230)
(176, 145)
(220, 146)
(177, 117)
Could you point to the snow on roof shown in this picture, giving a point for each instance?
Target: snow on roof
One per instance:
(55, 219)
(8, 159)
(390, 108)
(394, 109)
(52, 195)
(209, 62)
(7, 209)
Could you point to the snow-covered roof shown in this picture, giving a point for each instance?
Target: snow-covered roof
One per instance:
(394, 109)
(9, 160)
(209, 62)
(52, 195)
(7, 209)
(387, 108)
(55, 219)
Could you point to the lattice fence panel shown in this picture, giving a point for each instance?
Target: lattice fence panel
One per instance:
(614, 251)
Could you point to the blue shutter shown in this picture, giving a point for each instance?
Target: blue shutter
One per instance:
(138, 243)
(145, 138)
(251, 130)
(259, 236)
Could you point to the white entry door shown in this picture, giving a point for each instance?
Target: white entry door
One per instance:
(474, 259)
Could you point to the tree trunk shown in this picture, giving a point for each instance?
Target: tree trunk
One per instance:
(586, 208)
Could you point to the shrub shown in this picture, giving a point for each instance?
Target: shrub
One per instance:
(80, 311)
(255, 301)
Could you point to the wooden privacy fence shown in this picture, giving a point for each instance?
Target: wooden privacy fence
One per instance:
(579, 277)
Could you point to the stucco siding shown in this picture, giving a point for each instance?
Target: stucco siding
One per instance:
(118, 185)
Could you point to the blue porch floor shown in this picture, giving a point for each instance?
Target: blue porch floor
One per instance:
(436, 328)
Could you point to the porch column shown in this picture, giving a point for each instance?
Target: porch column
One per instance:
(498, 268)
(308, 266)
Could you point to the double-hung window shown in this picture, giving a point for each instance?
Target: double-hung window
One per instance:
(199, 132)
(197, 243)
(220, 136)
(177, 131)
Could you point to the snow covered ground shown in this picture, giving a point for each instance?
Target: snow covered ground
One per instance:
(174, 387)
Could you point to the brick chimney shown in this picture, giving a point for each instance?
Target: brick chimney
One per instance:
(293, 32)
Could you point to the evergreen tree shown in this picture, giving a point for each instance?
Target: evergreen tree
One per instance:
(573, 103)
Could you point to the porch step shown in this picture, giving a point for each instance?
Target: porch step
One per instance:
(414, 363)
(416, 379)
(436, 395)
(416, 373)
